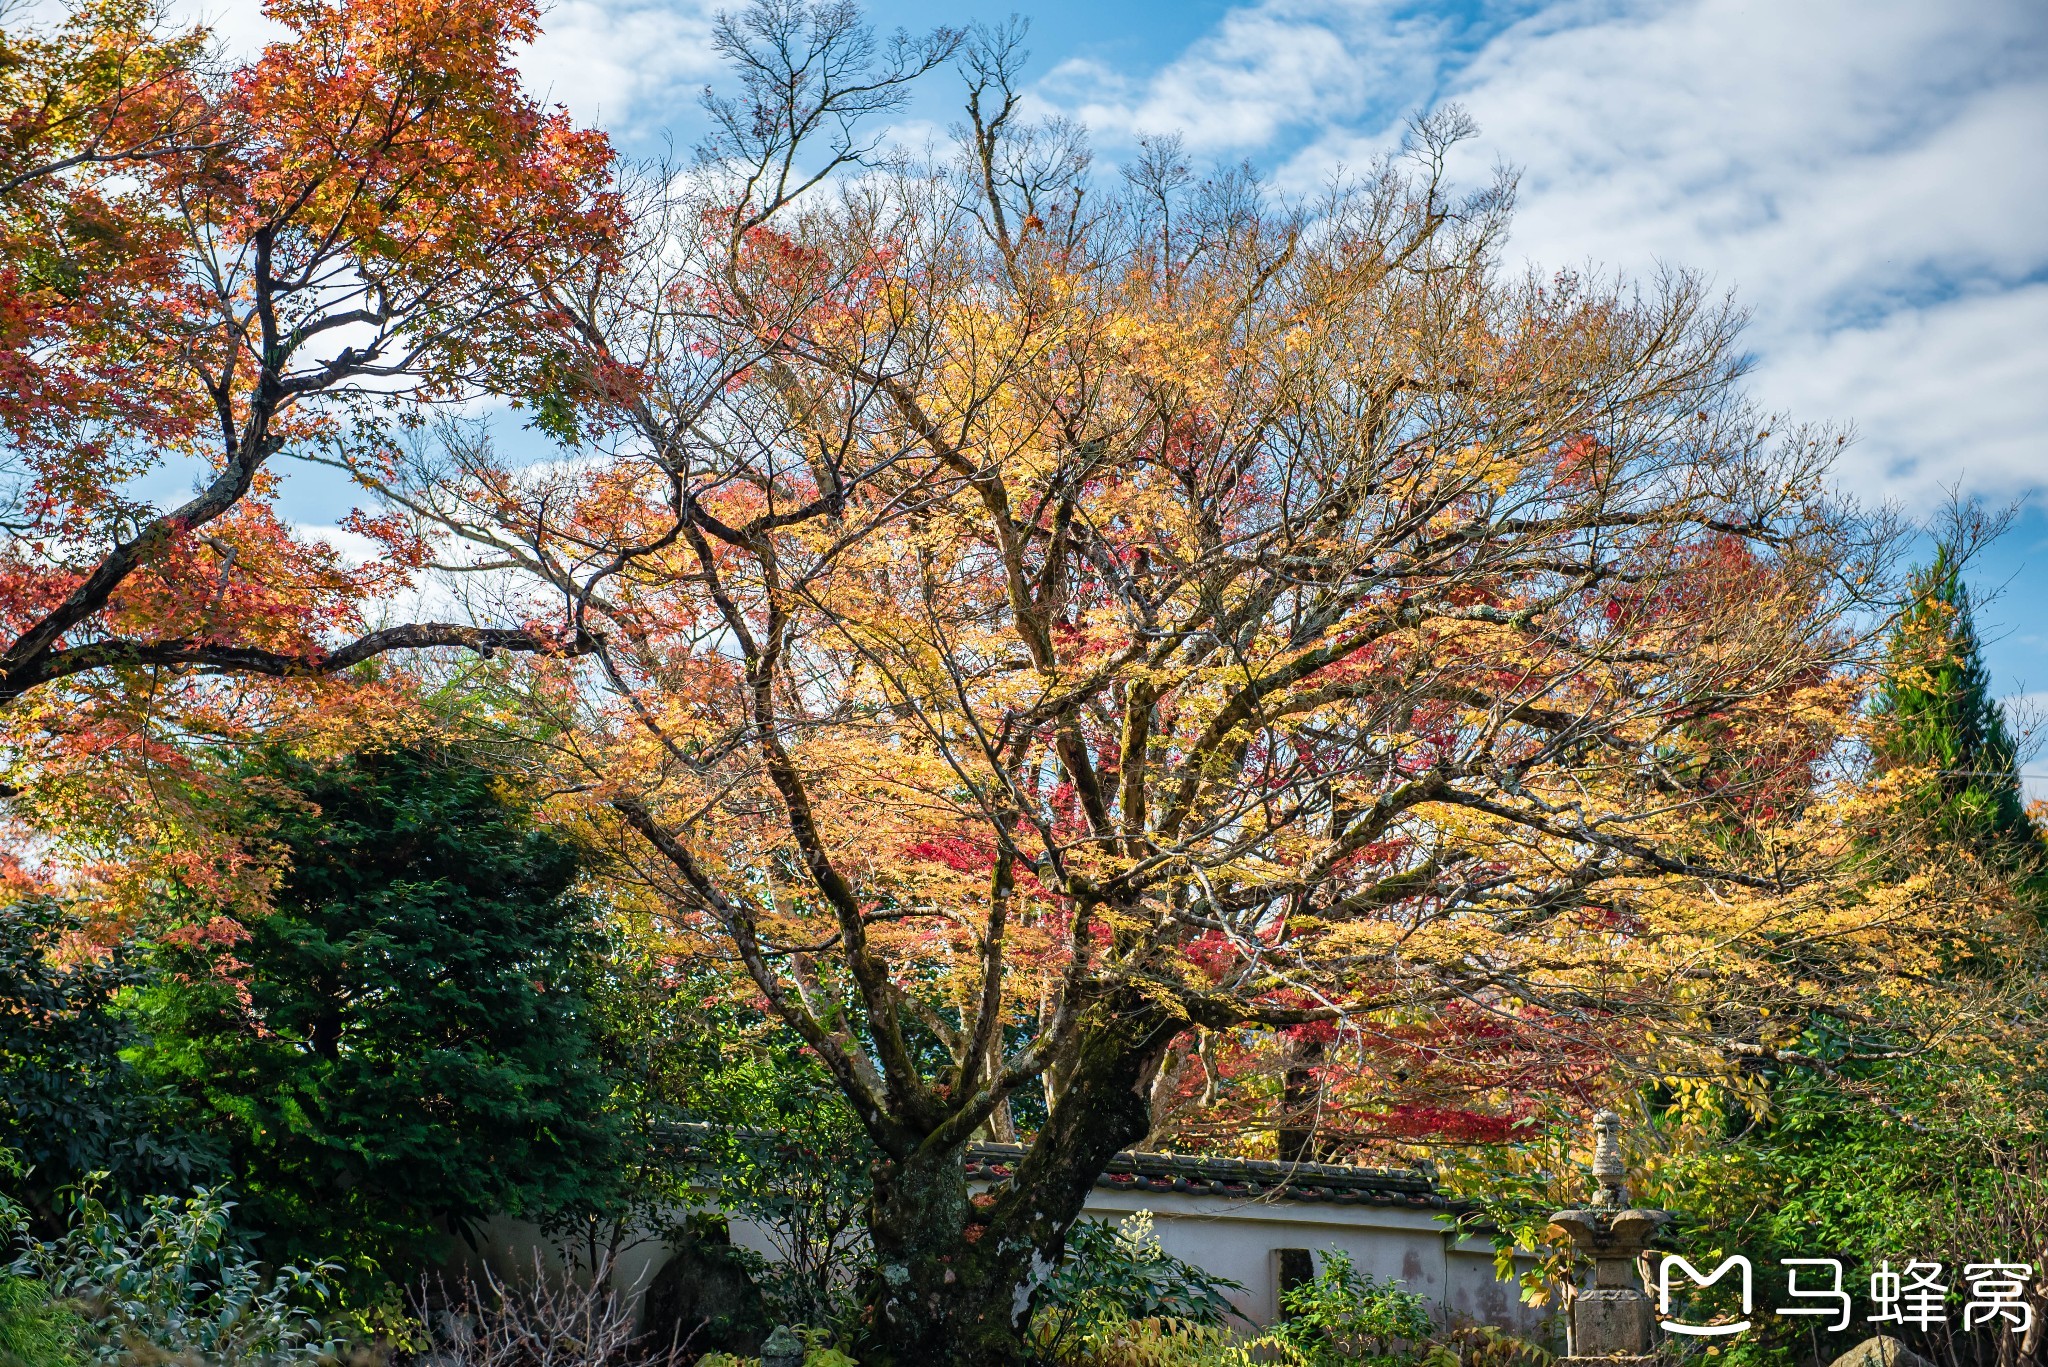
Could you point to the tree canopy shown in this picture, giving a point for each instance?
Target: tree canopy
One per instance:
(1035, 619)
(205, 267)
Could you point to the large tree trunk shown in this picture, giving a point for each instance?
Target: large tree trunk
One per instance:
(955, 1277)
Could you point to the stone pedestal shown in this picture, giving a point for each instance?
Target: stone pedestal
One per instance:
(782, 1348)
(1610, 1323)
(1612, 1317)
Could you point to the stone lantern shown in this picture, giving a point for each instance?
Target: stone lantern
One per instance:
(782, 1348)
(1613, 1320)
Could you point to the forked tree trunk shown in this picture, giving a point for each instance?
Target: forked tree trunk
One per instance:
(955, 1279)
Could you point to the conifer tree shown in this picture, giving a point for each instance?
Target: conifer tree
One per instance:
(1940, 716)
(401, 1046)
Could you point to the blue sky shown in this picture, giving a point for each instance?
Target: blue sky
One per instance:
(1869, 176)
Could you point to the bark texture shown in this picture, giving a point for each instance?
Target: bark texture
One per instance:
(957, 1274)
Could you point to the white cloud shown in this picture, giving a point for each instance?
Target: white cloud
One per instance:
(632, 66)
(1264, 71)
(352, 548)
(1866, 175)
(240, 25)
(1951, 394)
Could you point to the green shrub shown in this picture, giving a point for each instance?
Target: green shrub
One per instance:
(1117, 1288)
(1117, 1273)
(172, 1285)
(69, 1103)
(399, 1048)
(36, 1330)
(1344, 1317)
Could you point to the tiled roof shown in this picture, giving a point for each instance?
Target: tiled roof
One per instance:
(1236, 1178)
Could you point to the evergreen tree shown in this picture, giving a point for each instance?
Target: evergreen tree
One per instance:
(70, 1104)
(401, 1046)
(1940, 716)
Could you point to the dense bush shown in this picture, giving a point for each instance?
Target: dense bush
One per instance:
(400, 1046)
(1955, 1181)
(1116, 1273)
(69, 1103)
(169, 1285)
(36, 1330)
(1117, 1286)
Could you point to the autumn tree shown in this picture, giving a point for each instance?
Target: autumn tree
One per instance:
(207, 266)
(1037, 616)
(111, 87)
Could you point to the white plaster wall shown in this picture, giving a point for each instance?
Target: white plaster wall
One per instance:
(1234, 1239)
(508, 1246)
(1237, 1239)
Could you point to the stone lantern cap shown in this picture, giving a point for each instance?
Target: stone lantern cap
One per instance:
(1613, 1239)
